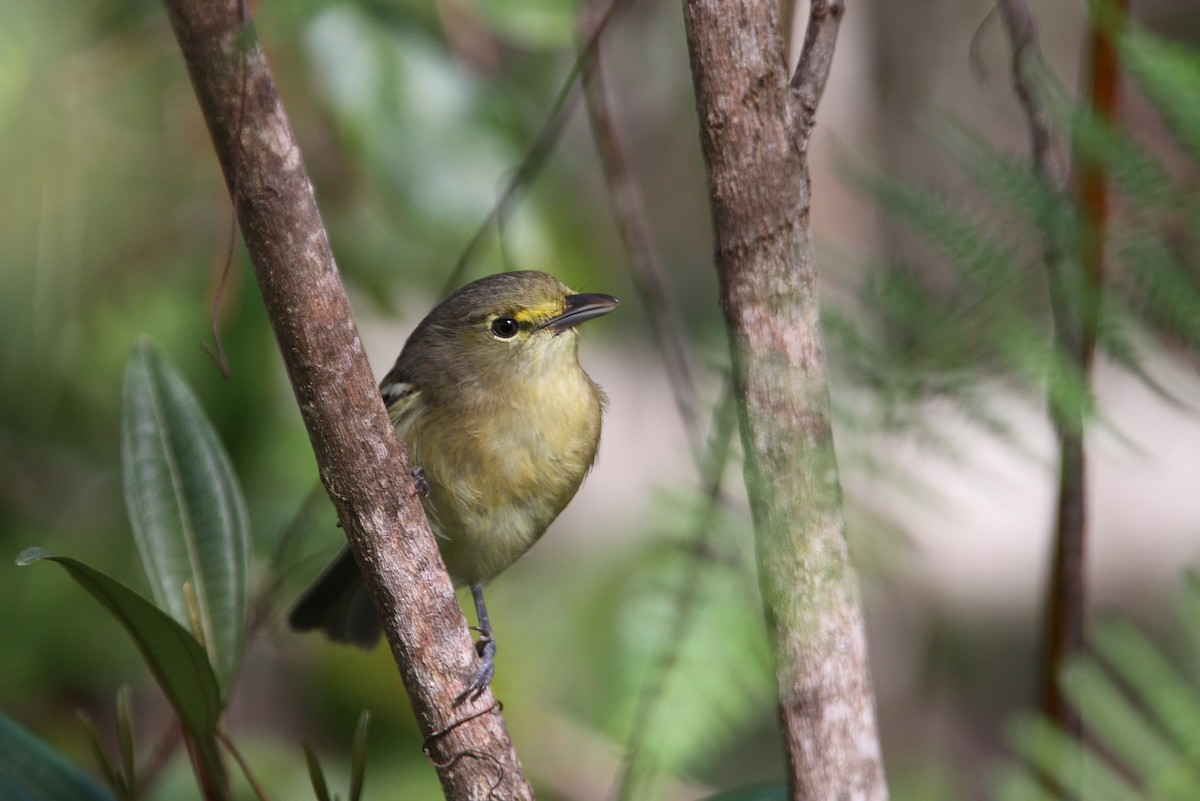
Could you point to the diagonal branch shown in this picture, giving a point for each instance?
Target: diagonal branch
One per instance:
(816, 59)
(629, 209)
(363, 466)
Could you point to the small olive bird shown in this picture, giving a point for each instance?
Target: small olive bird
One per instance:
(501, 423)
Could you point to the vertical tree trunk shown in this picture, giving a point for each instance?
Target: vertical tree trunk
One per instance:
(754, 129)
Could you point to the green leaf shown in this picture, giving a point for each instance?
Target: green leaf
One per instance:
(691, 641)
(186, 507)
(1011, 783)
(111, 777)
(316, 774)
(1162, 694)
(31, 771)
(174, 657)
(125, 738)
(358, 756)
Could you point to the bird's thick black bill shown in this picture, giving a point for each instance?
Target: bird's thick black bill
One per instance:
(582, 307)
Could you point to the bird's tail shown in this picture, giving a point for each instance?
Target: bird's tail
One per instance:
(338, 604)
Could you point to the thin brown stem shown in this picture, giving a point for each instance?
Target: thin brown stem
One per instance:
(685, 606)
(1076, 281)
(1065, 596)
(259, 791)
(633, 222)
(542, 147)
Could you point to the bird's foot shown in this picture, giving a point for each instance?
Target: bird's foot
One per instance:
(485, 647)
(418, 474)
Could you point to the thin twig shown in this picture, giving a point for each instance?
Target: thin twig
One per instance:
(1075, 306)
(1027, 64)
(816, 59)
(685, 600)
(168, 744)
(259, 791)
(219, 357)
(543, 145)
(1065, 594)
(629, 209)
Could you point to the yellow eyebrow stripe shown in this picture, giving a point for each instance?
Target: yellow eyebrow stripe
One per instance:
(539, 313)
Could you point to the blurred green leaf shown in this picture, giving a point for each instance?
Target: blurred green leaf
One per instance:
(691, 618)
(125, 739)
(111, 777)
(1115, 720)
(766, 792)
(1079, 772)
(1142, 720)
(174, 657)
(31, 771)
(316, 774)
(358, 756)
(186, 507)
(1169, 74)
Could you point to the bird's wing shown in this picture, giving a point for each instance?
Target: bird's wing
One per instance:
(401, 399)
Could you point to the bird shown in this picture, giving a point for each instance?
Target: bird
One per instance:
(502, 424)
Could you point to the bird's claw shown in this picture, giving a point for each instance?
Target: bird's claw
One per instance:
(418, 474)
(485, 646)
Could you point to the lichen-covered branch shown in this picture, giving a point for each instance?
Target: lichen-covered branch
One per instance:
(754, 126)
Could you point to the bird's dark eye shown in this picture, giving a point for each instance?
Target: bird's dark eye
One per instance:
(505, 327)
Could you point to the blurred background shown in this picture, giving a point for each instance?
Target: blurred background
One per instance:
(413, 116)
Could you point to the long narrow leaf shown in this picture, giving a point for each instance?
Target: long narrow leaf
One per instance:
(30, 771)
(174, 657)
(186, 508)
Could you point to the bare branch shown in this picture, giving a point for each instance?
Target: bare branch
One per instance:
(1027, 65)
(363, 466)
(629, 208)
(816, 59)
(539, 151)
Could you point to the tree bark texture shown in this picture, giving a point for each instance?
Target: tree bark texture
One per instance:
(363, 466)
(754, 129)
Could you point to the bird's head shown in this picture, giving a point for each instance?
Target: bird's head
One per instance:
(509, 326)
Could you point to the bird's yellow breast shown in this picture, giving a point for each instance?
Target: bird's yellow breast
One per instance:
(501, 463)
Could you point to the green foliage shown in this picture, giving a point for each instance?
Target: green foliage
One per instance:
(121, 778)
(1141, 716)
(973, 301)
(191, 527)
(694, 652)
(31, 771)
(358, 764)
(770, 792)
(1169, 74)
(177, 661)
(186, 507)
